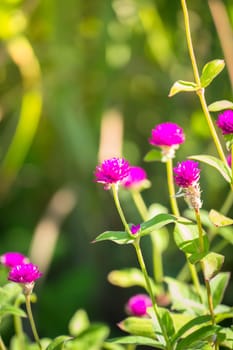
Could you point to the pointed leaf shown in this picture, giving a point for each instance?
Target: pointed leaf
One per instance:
(153, 156)
(220, 105)
(78, 323)
(111, 346)
(137, 340)
(228, 341)
(197, 321)
(181, 86)
(58, 343)
(129, 278)
(218, 219)
(119, 237)
(226, 233)
(210, 71)
(216, 163)
(8, 309)
(138, 326)
(157, 222)
(218, 285)
(212, 264)
(201, 334)
(92, 338)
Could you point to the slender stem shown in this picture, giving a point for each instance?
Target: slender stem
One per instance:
(119, 209)
(175, 210)
(200, 91)
(31, 320)
(207, 283)
(2, 345)
(149, 289)
(171, 188)
(231, 163)
(140, 204)
(18, 327)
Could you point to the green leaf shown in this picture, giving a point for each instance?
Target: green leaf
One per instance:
(210, 71)
(8, 309)
(199, 335)
(119, 237)
(137, 340)
(212, 264)
(216, 163)
(226, 233)
(218, 219)
(78, 323)
(184, 297)
(153, 156)
(228, 341)
(111, 346)
(130, 277)
(220, 105)
(218, 285)
(156, 223)
(181, 86)
(138, 326)
(58, 343)
(197, 321)
(92, 338)
(187, 238)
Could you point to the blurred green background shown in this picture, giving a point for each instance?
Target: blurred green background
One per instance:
(76, 75)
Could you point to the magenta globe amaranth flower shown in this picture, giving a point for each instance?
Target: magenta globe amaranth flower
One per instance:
(187, 175)
(24, 273)
(11, 259)
(112, 171)
(225, 122)
(136, 179)
(138, 304)
(168, 136)
(135, 229)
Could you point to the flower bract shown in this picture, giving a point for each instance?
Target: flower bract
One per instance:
(24, 273)
(187, 173)
(167, 134)
(11, 259)
(138, 304)
(112, 171)
(225, 122)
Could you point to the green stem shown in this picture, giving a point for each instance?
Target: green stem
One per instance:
(156, 253)
(140, 204)
(175, 210)
(18, 326)
(200, 91)
(231, 164)
(207, 283)
(119, 209)
(2, 345)
(171, 188)
(31, 320)
(149, 289)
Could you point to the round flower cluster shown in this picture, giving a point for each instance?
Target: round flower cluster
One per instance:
(168, 136)
(225, 122)
(112, 171)
(187, 175)
(21, 270)
(136, 179)
(138, 304)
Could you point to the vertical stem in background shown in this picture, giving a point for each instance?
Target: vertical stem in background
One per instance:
(207, 283)
(149, 289)
(200, 92)
(140, 204)
(2, 345)
(18, 327)
(31, 320)
(175, 210)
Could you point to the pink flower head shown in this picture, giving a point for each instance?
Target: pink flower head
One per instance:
(24, 273)
(167, 134)
(135, 179)
(11, 259)
(187, 173)
(138, 304)
(225, 122)
(112, 171)
(135, 229)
